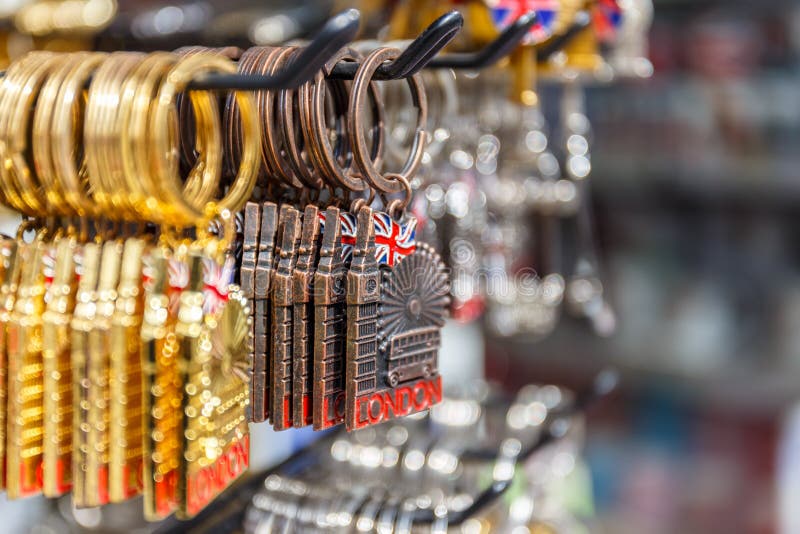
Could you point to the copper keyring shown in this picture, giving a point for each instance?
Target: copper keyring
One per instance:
(390, 182)
(288, 106)
(337, 162)
(273, 145)
(230, 118)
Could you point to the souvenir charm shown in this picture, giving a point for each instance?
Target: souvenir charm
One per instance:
(214, 336)
(56, 356)
(329, 319)
(98, 364)
(260, 400)
(8, 294)
(126, 410)
(247, 272)
(281, 316)
(303, 318)
(162, 383)
(25, 381)
(82, 319)
(395, 313)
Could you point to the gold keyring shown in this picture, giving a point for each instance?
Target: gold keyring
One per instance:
(101, 107)
(137, 96)
(136, 129)
(41, 141)
(66, 135)
(8, 92)
(164, 153)
(23, 167)
(18, 103)
(388, 183)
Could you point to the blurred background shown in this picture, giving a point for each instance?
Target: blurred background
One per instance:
(695, 186)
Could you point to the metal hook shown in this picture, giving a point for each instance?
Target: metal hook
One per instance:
(416, 56)
(505, 43)
(336, 33)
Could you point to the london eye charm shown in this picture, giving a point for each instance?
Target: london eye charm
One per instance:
(397, 300)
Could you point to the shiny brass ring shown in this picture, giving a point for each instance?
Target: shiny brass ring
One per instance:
(194, 208)
(102, 107)
(26, 81)
(66, 134)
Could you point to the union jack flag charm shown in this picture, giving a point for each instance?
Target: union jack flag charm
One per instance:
(393, 241)
(217, 279)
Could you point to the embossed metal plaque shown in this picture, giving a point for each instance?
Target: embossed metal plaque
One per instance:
(395, 313)
(329, 324)
(281, 300)
(260, 399)
(303, 319)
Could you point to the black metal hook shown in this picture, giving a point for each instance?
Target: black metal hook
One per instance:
(337, 32)
(416, 55)
(505, 43)
(581, 22)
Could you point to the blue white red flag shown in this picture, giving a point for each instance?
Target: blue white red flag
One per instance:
(506, 12)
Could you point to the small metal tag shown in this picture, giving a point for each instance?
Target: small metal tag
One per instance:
(281, 300)
(303, 337)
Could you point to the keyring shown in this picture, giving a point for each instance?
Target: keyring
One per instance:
(289, 105)
(186, 113)
(164, 158)
(273, 143)
(20, 99)
(390, 182)
(337, 162)
(101, 108)
(66, 132)
(41, 139)
(134, 127)
(396, 207)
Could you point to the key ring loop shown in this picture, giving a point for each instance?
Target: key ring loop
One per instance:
(164, 158)
(397, 207)
(66, 132)
(385, 183)
(337, 161)
(20, 90)
(289, 105)
(41, 141)
(248, 64)
(186, 111)
(132, 130)
(273, 142)
(101, 109)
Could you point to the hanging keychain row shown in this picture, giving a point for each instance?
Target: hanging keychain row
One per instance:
(132, 362)
(121, 326)
(347, 305)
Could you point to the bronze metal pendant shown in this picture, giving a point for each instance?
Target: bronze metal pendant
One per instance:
(303, 319)
(247, 273)
(395, 312)
(260, 382)
(281, 300)
(330, 330)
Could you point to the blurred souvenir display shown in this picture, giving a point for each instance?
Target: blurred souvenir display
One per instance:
(294, 267)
